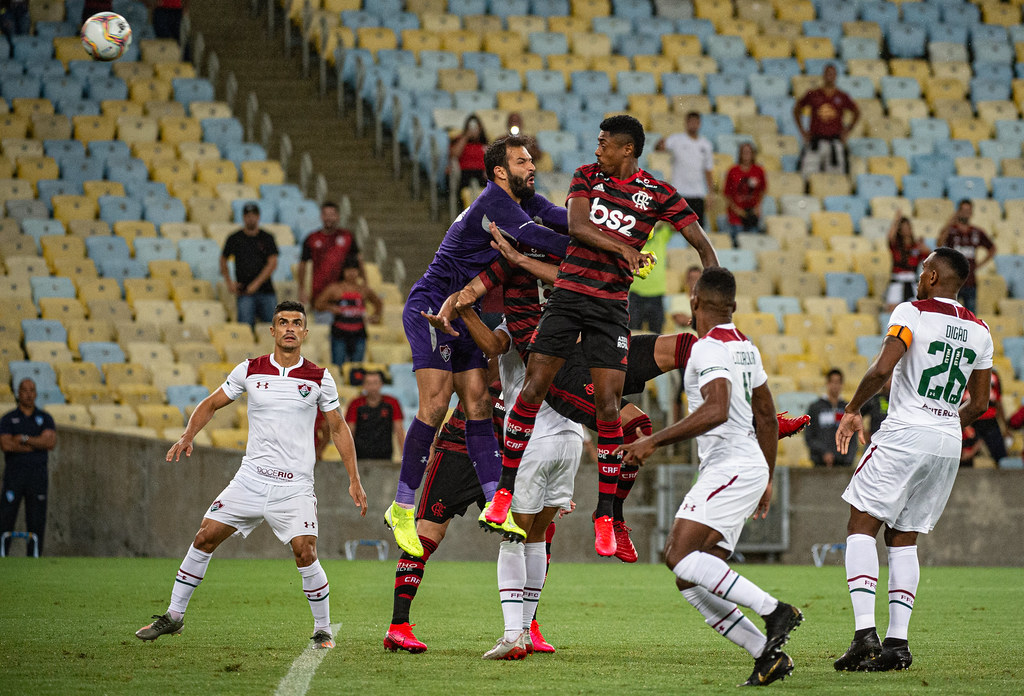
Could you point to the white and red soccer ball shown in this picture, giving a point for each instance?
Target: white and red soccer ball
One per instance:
(106, 36)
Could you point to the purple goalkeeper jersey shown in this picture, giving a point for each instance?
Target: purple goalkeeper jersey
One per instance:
(466, 247)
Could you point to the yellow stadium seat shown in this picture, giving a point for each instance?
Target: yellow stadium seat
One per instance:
(198, 353)
(197, 152)
(141, 331)
(109, 308)
(567, 63)
(867, 30)
(569, 24)
(657, 65)
(48, 351)
(146, 89)
(916, 68)
(753, 283)
(118, 374)
(170, 270)
(95, 189)
(887, 206)
(795, 10)
(89, 128)
(212, 109)
(27, 108)
(106, 416)
(828, 306)
(937, 88)
(735, 105)
(259, 172)
(821, 185)
(976, 166)
(851, 325)
(77, 372)
(98, 289)
(417, 40)
(933, 208)
(159, 109)
(715, 10)
(589, 9)
(203, 312)
(88, 330)
(974, 130)
(1007, 15)
(216, 172)
(138, 394)
(88, 394)
(136, 289)
(159, 416)
(829, 224)
(156, 311)
(999, 110)
(800, 284)
(771, 47)
(173, 373)
(116, 108)
(178, 129)
(813, 47)
(375, 39)
(61, 308)
(823, 261)
(172, 172)
(149, 353)
(55, 245)
(154, 51)
(130, 229)
(896, 167)
(133, 129)
(186, 190)
(482, 25)
(13, 126)
(32, 169)
(906, 109)
(68, 48)
(133, 70)
(456, 79)
(952, 110)
(229, 438)
(674, 46)
(51, 126)
(204, 211)
(504, 43)
(70, 415)
(700, 66)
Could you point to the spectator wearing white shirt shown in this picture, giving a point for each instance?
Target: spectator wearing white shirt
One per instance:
(692, 165)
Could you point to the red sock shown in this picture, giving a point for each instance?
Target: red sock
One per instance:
(609, 437)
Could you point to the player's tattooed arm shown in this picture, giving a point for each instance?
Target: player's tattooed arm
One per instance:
(545, 271)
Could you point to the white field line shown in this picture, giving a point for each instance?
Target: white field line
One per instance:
(296, 682)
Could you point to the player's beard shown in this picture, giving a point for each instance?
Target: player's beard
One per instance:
(520, 189)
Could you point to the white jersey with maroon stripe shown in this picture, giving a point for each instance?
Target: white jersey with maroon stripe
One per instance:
(945, 344)
(282, 411)
(726, 353)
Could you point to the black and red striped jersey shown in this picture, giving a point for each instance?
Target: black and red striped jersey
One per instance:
(626, 210)
(523, 294)
(452, 435)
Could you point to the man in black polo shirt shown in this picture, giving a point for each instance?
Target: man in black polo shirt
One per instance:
(27, 434)
(375, 420)
(255, 255)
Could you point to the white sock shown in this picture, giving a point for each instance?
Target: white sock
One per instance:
(511, 580)
(904, 574)
(715, 575)
(862, 578)
(536, 569)
(726, 618)
(317, 589)
(190, 574)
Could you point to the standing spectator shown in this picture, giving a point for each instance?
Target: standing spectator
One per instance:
(255, 253)
(647, 295)
(907, 254)
(14, 20)
(991, 424)
(745, 186)
(970, 448)
(27, 434)
(167, 16)
(825, 415)
(328, 248)
(346, 301)
(961, 235)
(375, 420)
(467, 149)
(824, 147)
(693, 162)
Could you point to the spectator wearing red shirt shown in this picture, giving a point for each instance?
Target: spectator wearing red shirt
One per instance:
(328, 248)
(961, 235)
(907, 254)
(745, 186)
(375, 420)
(825, 139)
(346, 302)
(468, 150)
(991, 424)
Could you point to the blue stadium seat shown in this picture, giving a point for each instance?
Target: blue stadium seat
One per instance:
(268, 209)
(119, 269)
(357, 19)
(633, 9)
(163, 210)
(858, 48)
(222, 131)
(988, 33)
(474, 60)
(779, 305)
(590, 83)
(400, 21)
(102, 150)
(62, 88)
(893, 87)
(729, 143)
(935, 164)
(499, 79)
(908, 147)
(545, 81)
(680, 84)
(39, 228)
(302, 215)
(883, 13)
(105, 88)
(41, 373)
(81, 170)
(565, 105)
(959, 187)
(766, 86)
(77, 107)
(126, 169)
(781, 67)
(932, 129)
(742, 67)
(857, 86)
(906, 40)
(48, 188)
(546, 43)
(145, 191)
(615, 27)
(107, 246)
(287, 257)
(87, 69)
(725, 47)
(21, 87)
(637, 82)
(867, 147)
(1006, 188)
(989, 90)
(244, 152)
(382, 8)
(186, 395)
(869, 346)
(116, 208)
(922, 13)
(280, 192)
(999, 150)
(849, 286)
(203, 256)
(964, 14)
(507, 8)
(854, 206)
(472, 100)
(192, 89)
(467, 7)
(998, 72)
(439, 60)
(713, 124)
(737, 259)
(43, 330)
(871, 185)
(829, 30)
(100, 353)
(731, 85)
(948, 33)
(155, 249)
(923, 186)
(955, 148)
(702, 28)
(32, 49)
(837, 11)
(417, 78)
(51, 286)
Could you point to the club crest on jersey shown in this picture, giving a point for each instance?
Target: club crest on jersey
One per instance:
(641, 199)
(446, 353)
(304, 390)
(217, 505)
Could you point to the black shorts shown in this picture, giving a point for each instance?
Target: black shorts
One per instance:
(603, 324)
(450, 486)
(572, 392)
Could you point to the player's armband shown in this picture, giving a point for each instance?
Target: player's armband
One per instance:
(902, 333)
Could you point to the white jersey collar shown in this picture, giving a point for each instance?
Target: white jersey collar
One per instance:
(286, 370)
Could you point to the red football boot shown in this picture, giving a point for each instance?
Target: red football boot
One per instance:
(791, 426)
(498, 509)
(400, 637)
(539, 644)
(604, 536)
(624, 549)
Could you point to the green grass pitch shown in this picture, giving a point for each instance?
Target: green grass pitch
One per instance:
(67, 624)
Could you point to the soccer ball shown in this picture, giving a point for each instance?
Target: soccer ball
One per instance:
(106, 36)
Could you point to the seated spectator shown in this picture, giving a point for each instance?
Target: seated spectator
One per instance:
(347, 299)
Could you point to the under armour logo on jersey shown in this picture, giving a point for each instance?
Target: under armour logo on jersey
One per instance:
(423, 460)
(641, 199)
(263, 385)
(307, 525)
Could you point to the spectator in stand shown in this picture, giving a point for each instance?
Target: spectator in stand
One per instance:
(907, 254)
(824, 147)
(961, 235)
(375, 420)
(255, 253)
(467, 149)
(693, 163)
(167, 16)
(647, 295)
(14, 20)
(327, 249)
(346, 300)
(825, 415)
(745, 186)
(970, 448)
(991, 425)
(27, 434)
(91, 7)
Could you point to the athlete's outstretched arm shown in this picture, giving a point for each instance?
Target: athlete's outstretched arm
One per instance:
(442, 321)
(766, 428)
(547, 272)
(342, 438)
(199, 418)
(893, 348)
(698, 239)
(492, 343)
(586, 232)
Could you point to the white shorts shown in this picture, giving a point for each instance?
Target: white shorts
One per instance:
(547, 473)
(289, 510)
(723, 498)
(905, 478)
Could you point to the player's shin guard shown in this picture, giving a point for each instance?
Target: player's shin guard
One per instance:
(415, 454)
(518, 429)
(715, 575)
(511, 580)
(408, 576)
(536, 572)
(862, 578)
(609, 438)
(904, 575)
(482, 447)
(190, 574)
(317, 590)
(726, 618)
